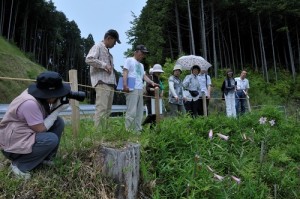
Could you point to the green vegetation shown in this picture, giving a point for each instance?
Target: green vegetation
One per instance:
(14, 64)
(176, 158)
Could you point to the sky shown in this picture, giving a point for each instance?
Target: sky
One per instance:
(97, 16)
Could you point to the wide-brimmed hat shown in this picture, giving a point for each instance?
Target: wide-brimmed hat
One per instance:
(49, 85)
(157, 68)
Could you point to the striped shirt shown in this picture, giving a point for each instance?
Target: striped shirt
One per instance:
(98, 58)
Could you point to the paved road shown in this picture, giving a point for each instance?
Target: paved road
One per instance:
(84, 109)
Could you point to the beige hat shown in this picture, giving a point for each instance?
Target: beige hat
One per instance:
(177, 67)
(157, 68)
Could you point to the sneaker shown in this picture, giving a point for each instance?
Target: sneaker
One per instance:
(19, 173)
(49, 163)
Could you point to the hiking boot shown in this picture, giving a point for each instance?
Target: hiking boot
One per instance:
(19, 173)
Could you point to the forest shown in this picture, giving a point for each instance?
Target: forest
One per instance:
(259, 35)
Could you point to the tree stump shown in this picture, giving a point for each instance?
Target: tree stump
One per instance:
(122, 165)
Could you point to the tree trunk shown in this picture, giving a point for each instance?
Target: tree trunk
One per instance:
(203, 36)
(10, 16)
(170, 45)
(298, 46)
(2, 17)
(239, 39)
(214, 39)
(230, 41)
(253, 49)
(291, 54)
(180, 51)
(25, 22)
(192, 42)
(220, 46)
(262, 47)
(15, 21)
(122, 165)
(273, 50)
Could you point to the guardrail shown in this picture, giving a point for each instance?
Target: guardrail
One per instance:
(83, 109)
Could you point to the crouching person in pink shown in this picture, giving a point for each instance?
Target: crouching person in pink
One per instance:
(30, 130)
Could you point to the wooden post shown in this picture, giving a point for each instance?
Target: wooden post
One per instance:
(75, 117)
(248, 103)
(123, 166)
(157, 104)
(204, 103)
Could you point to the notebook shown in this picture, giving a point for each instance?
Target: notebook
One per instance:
(130, 83)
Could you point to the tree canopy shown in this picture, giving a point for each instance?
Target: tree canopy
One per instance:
(260, 35)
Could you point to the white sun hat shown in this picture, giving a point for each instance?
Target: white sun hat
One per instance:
(177, 67)
(157, 68)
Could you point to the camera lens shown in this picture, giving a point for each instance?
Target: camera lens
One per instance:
(76, 95)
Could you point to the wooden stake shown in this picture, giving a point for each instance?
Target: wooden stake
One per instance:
(75, 116)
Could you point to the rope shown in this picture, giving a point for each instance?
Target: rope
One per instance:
(82, 85)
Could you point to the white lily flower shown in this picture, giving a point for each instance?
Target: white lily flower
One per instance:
(224, 137)
(210, 134)
(238, 180)
(262, 120)
(272, 122)
(218, 177)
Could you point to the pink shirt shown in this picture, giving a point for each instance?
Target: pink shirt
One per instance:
(30, 112)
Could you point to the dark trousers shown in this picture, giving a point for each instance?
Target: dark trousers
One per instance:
(200, 106)
(192, 107)
(148, 104)
(240, 100)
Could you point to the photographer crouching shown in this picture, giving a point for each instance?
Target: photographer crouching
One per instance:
(31, 129)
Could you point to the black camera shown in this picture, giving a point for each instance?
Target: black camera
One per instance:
(76, 95)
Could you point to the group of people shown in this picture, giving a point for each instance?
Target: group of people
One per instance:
(31, 129)
(235, 93)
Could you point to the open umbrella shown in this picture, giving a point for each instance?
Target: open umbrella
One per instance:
(190, 60)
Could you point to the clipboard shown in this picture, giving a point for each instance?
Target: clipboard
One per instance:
(130, 83)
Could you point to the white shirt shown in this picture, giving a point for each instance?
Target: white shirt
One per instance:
(135, 70)
(203, 83)
(242, 84)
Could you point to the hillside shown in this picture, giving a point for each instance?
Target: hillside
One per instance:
(14, 64)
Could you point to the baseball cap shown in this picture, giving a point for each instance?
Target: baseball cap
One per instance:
(113, 33)
(142, 48)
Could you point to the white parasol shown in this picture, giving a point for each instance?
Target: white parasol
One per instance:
(190, 60)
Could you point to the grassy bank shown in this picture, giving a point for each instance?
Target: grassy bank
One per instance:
(14, 64)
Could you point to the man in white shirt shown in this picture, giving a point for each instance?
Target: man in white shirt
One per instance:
(242, 86)
(205, 86)
(134, 99)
